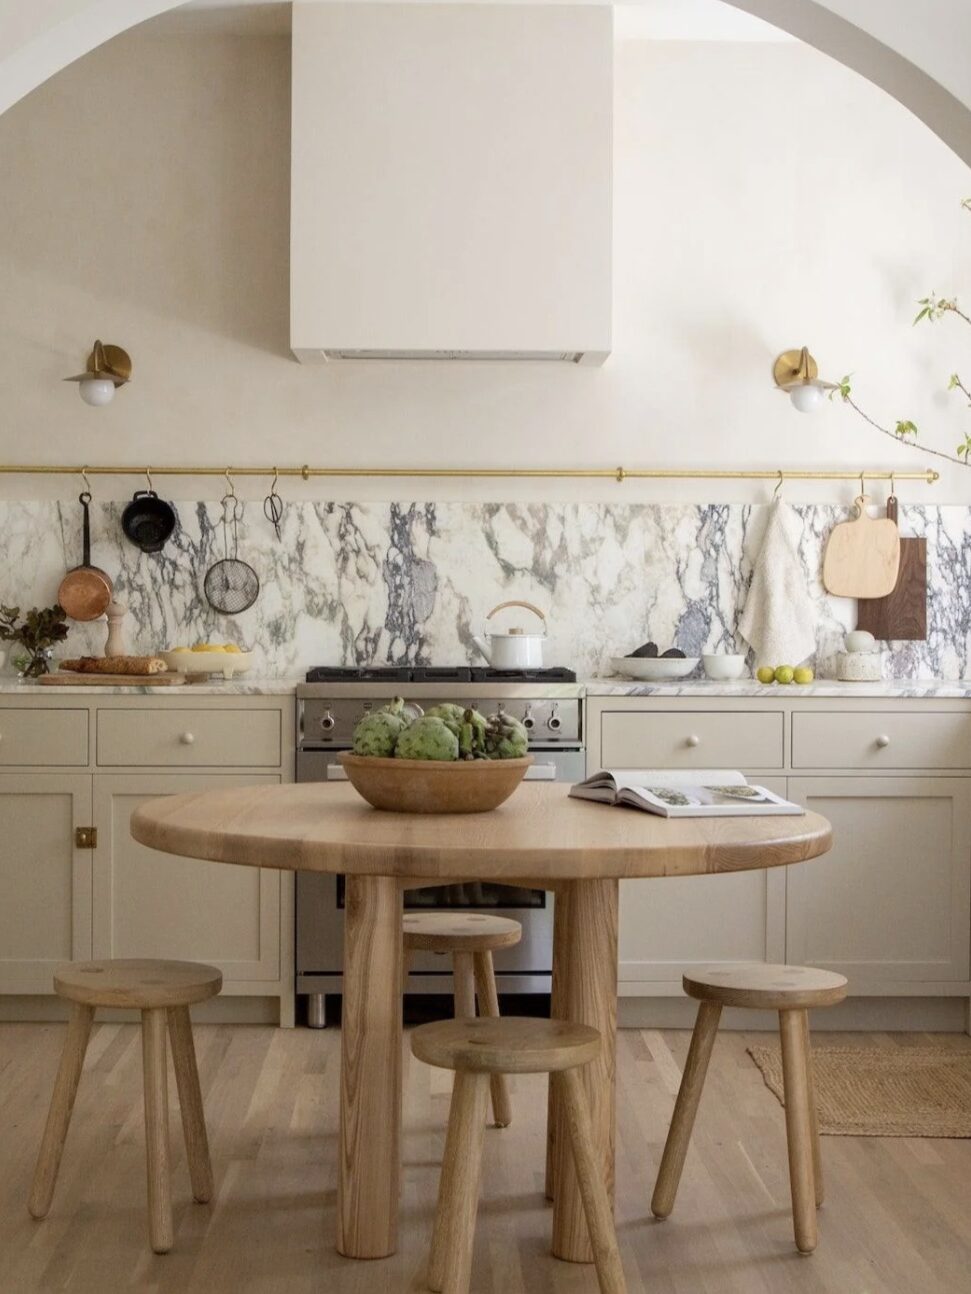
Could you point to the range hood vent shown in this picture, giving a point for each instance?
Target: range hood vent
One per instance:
(451, 180)
(570, 357)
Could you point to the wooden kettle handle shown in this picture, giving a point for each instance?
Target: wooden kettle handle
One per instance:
(516, 603)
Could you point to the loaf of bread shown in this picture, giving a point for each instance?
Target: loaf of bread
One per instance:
(116, 665)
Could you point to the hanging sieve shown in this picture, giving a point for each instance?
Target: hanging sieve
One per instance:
(231, 586)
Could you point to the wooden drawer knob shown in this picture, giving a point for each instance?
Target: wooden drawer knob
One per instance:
(883, 741)
(187, 738)
(693, 740)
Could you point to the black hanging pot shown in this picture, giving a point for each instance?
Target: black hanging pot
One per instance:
(148, 521)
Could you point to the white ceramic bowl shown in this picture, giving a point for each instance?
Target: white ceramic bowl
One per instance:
(226, 663)
(724, 667)
(654, 669)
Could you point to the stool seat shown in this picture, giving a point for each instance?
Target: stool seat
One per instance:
(137, 982)
(772, 988)
(468, 932)
(512, 1045)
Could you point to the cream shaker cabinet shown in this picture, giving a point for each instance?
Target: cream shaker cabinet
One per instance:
(45, 878)
(73, 883)
(889, 906)
(891, 902)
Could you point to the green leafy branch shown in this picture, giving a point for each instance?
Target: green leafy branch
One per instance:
(905, 430)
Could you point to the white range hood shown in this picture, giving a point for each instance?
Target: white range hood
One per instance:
(451, 182)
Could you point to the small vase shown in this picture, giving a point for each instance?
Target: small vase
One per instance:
(35, 663)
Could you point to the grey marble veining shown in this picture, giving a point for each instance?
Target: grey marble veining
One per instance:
(411, 582)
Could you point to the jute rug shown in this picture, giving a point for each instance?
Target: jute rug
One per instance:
(884, 1091)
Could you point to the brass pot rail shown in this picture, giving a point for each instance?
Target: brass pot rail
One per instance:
(779, 475)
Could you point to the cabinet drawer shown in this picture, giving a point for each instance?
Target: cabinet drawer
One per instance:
(692, 739)
(189, 738)
(878, 739)
(39, 736)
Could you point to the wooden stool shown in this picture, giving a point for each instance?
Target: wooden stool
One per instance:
(790, 990)
(163, 992)
(471, 938)
(477, 1050)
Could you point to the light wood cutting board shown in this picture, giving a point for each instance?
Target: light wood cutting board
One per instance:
(68, 679)
(862, 556)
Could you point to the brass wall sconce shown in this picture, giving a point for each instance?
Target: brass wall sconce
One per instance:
(108, 367)
(797, 373)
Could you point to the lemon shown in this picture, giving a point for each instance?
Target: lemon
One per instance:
(803, 674)
(765, 674)
(231, 647)
(784, 673)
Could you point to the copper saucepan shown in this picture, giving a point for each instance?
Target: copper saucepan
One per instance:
(85, 590)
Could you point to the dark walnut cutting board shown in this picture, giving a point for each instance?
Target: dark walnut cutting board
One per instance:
(902, 614)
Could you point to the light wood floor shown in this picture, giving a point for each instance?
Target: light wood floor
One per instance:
(896, 1220)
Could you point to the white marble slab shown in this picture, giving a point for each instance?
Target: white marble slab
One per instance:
(248, 686)
(408, 582)
(925, 689)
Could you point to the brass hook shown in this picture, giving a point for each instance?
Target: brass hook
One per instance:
(862, 486)
(778, 484)
(229, 484)
(893, 486)
(305, 472)
(276, 480)
(84, 478)
(148, 478)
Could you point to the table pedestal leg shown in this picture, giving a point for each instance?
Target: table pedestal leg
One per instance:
(370, 1134)
(585, 953)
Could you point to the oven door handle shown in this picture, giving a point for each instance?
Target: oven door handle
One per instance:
(541, 773)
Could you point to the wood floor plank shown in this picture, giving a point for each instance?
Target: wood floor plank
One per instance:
(895, 1219)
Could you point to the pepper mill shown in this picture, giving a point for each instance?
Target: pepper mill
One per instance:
(115, 644)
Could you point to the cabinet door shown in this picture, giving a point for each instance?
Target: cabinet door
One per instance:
(891, 901)
(670, 924)
(45, 880)
(149, 904)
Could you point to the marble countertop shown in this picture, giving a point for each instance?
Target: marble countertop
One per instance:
(925, 688)
(245, 685)
(697, 689)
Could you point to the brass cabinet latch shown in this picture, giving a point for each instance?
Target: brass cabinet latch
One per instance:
(86, 837)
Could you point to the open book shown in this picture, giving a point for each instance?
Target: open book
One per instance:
(689, 793)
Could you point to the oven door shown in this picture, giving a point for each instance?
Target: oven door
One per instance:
(524, 968)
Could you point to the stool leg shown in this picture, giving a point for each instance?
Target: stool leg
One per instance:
(463, 977)
(155, 1077)
(685, 1108)
(596, 1205)
(59, 1114)
(485, 987)
(813, 1116)
(190, 1103)
(450, 1265)
(798, 1130)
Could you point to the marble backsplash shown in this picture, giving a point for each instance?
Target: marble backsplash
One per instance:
(411, 582)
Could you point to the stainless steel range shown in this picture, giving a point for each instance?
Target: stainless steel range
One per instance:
(329, 705)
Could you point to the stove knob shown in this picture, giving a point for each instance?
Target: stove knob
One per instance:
(327, 722)
(554, 722)
(528, 721)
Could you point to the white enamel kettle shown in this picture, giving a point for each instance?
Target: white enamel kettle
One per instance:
(515, 649)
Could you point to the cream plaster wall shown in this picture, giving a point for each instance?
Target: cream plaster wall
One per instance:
(764, 196)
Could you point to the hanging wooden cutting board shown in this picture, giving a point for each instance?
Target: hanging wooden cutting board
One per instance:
(902, 614)
(862, 556)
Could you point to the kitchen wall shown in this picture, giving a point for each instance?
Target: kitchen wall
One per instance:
(411, 582)
(764, 197)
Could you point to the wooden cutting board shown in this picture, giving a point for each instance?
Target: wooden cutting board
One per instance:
(902, 614)
(862, 556)
(65, 678)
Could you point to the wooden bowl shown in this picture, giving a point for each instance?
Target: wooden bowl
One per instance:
(434, 786)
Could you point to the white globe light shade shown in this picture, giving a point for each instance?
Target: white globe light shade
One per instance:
(97, 390)
(806, 397)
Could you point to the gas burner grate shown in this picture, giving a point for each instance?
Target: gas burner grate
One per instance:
(435, 674)
(441, 674)
(555, 674)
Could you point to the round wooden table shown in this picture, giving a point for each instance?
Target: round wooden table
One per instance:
(538, 839)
